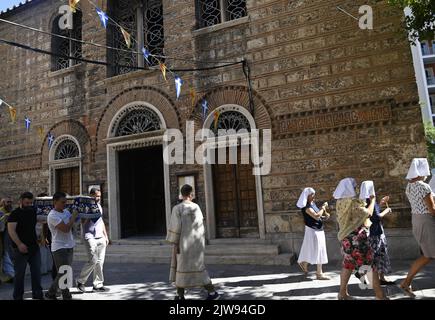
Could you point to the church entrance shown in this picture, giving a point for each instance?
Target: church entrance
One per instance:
(235, 200)
(141, 192)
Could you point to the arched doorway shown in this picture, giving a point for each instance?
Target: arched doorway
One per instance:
(138, 179)
(233, 195)
(65, 163)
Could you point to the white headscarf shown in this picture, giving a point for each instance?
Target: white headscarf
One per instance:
(345, 189)
(367, 190)
(302, 202)
(419, 168)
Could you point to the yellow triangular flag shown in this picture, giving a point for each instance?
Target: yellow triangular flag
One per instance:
(73, 5)
(13, 113)
(192, 96)
(41, 133)
(216, 118)
(163, 69)
(127, 37)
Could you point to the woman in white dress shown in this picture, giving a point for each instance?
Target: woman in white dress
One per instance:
(422, 203)
(313, 250)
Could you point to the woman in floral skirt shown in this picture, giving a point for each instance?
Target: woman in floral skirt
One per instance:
(353, 219)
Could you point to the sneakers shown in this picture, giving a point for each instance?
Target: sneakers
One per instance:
(214, 296)
(81, 287)
(101, 289)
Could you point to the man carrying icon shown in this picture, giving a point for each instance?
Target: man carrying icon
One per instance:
(60, 222)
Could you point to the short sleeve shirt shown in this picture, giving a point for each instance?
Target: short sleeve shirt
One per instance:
(26, 225)
(60, 239)
(416, 192)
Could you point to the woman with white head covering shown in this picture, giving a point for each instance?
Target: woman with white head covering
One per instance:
(313, 250)
(353, 220)
(377, 239)
(422, 203)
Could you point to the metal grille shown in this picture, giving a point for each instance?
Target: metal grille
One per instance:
(236, 9)
(138, 120)
(67, 149)
(124, 13)
(209, 13)
(65, 47)
(212, 12)
(153, 24)
(231, 120)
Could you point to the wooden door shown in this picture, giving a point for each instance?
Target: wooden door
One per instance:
(235, 200)
(68, 181)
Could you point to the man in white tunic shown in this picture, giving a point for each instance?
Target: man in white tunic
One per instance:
(186, 233)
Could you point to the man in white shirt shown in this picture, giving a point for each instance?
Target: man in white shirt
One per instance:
(60, 222)
(95, 240)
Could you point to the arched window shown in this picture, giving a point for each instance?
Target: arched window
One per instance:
(137, 119)
(211, 12)
(66, 149)
(230, 120)
(65, 47)
(143, 19)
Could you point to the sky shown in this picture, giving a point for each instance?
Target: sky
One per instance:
(4, 4)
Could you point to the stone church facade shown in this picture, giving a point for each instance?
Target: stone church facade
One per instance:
(340, 101)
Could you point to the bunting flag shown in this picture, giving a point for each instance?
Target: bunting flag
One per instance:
(27, 123)
(1, 102)
(146, 54)
(127, 37)
(178, 84)
(73, 5)
(103, 17)
(41, 133)
(50, 140)
(216, 118)
(13, 113)
(204, 105)
(192, 96)
(163, 69)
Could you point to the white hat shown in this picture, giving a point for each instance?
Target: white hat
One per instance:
(419, 168)
(345, 189)
(302, 202)
(367, 190)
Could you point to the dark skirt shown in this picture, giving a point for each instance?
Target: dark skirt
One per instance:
(356, 250)
(381, 260)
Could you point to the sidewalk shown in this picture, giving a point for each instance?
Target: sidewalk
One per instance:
(235, 282)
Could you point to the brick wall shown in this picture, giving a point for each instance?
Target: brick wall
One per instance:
(306, 58)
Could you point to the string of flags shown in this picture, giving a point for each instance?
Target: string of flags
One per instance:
(178, 81)
(27, 122)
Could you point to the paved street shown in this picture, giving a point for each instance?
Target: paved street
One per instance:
(149, 281)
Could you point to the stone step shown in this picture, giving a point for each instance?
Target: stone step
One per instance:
(281, 259)
(239, 241)
(212, 250)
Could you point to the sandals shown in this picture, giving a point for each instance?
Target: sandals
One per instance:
(303, 268)
(407, 291)
(322, 277)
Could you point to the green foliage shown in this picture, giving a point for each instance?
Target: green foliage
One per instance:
(421, 24)
(429, 132)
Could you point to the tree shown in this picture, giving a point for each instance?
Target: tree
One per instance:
(421, 24)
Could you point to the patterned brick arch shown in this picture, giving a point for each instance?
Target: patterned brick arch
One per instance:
(235, 95)
(147, 94)
(69, 127)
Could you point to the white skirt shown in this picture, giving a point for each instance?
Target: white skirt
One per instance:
(313, 248)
